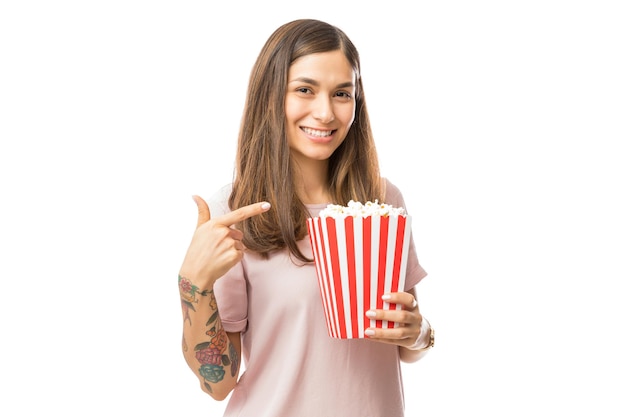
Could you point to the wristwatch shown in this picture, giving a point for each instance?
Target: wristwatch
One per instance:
(431, 341)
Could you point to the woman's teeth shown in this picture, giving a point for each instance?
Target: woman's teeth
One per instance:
(318, 133)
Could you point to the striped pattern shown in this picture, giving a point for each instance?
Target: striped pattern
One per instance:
(358, 259)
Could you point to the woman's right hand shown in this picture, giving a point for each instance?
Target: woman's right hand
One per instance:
(216, 246)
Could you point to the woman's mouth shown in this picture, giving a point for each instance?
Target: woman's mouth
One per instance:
(316, 133)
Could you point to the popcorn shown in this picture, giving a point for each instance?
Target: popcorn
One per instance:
(360, 252)
(358, 209)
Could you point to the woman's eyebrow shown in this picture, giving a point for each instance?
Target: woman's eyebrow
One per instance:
(311, 81)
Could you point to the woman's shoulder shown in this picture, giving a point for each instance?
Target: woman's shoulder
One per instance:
(218, 202)
(392, 192)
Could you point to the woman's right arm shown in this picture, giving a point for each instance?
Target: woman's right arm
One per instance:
(211, 353)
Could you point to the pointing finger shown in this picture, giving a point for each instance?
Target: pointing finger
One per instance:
(243, 213)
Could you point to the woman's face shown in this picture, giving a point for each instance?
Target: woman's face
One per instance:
(319, 105)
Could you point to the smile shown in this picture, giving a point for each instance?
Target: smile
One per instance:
(317, 133)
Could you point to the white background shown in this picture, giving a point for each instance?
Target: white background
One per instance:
(502, 122)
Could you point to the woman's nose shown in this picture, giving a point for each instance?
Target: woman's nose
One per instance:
(323, 110)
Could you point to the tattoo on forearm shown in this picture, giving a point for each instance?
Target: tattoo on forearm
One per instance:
(188, 293)
(212, 353)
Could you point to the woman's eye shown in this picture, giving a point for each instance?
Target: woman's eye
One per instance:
(344, 94)
(304, 90)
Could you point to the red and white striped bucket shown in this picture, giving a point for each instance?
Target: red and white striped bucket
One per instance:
(358, 259)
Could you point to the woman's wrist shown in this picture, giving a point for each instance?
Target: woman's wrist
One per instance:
(202, 283)
(426, 339)
(189, 290)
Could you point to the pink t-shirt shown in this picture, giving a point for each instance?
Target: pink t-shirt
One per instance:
(293, 368)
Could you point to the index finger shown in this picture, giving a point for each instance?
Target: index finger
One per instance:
(243, 213)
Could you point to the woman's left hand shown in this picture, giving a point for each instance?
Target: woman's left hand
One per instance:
(408, 318)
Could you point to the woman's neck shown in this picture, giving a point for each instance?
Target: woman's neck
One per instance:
(311, 183)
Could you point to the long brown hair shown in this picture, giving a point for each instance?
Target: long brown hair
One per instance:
(263, 170)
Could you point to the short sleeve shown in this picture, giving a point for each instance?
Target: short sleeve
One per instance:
(414, 271)
(231, 289)
(232, 299)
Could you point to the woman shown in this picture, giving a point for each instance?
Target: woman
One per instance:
(305, 141)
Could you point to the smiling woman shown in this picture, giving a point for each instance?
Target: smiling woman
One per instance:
(319, 110)
(114, 113)
(248, 283)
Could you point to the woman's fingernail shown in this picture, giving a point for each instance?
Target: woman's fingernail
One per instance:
(371, 314)
(265, 206)
(369, 332)
(386, 297)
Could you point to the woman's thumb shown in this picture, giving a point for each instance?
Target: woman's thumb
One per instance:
(204, 214)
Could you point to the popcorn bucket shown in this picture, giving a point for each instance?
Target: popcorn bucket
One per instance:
(357, 260)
